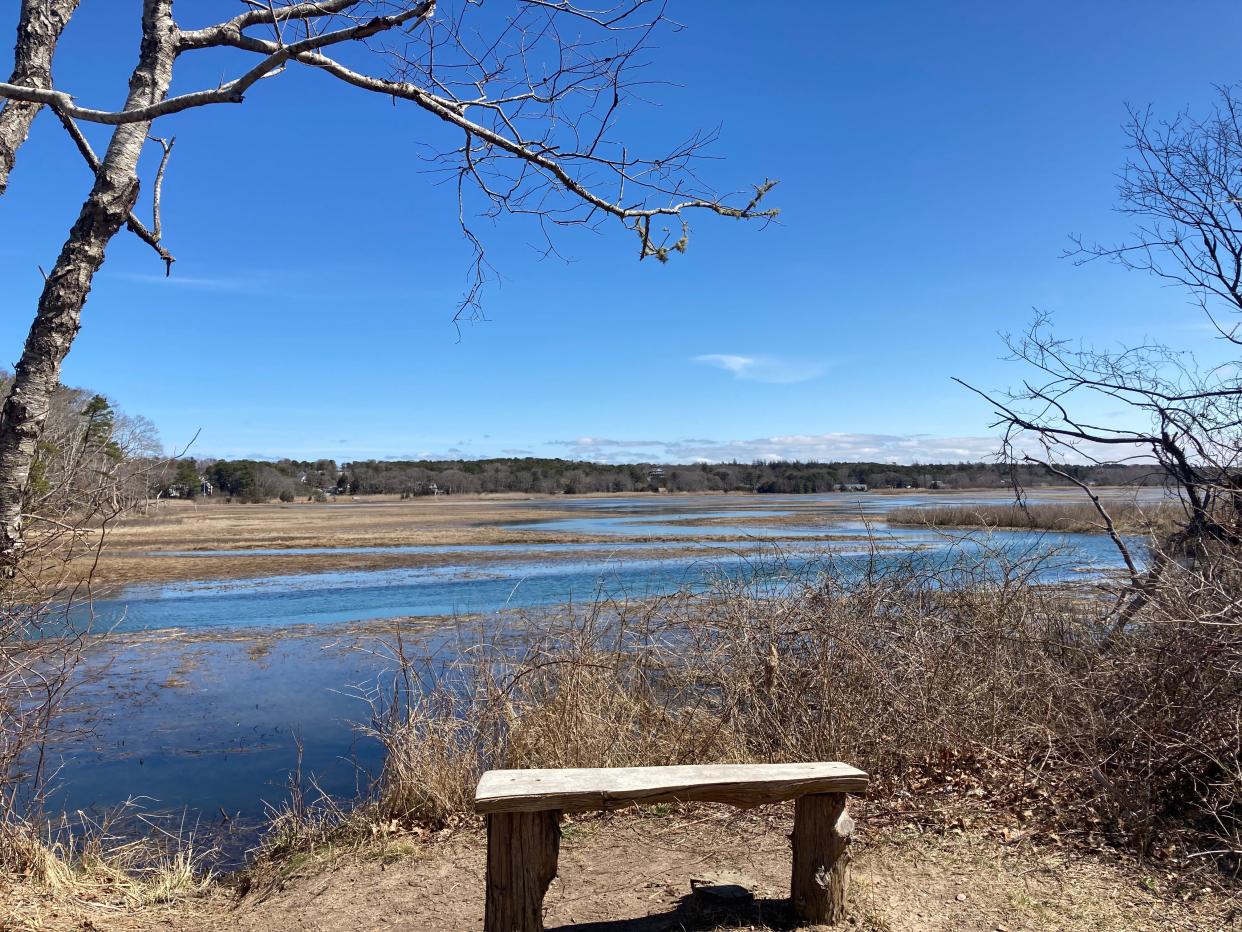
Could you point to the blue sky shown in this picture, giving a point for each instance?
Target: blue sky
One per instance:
(932, 158)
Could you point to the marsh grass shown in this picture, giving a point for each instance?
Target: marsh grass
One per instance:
(959, 683)
(965, 680)
(1068, 517)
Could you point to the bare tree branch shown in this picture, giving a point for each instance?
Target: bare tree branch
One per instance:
(232, 92)
(158, 192)
(537, 155)
(135, 226)
(1109, 526)
(265, 15)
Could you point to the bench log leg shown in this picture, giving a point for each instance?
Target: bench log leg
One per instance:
(522, 849)
(821, 858)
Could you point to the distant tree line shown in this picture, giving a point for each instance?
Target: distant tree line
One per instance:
(289, 480)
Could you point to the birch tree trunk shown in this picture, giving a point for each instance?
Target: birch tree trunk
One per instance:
(64, 293)
(38, 30)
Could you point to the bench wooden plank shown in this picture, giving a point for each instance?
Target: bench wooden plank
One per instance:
(585, 789)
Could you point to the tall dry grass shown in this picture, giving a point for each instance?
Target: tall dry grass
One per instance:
(1069, 517)
(969, 675)
(121, 858)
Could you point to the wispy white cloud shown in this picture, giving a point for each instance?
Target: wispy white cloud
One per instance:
(197, 283)
(259, 283)
(604, 442)
(777, 370)
(838, 447)
(826, 447)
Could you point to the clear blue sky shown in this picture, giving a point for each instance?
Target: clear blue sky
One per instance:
(932, 159)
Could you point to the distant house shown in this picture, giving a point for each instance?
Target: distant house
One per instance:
(184, 490)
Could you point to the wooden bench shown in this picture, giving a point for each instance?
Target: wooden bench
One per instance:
(524, 807)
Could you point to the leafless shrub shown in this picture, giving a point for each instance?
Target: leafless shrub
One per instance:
(963, 677)
(91, 465)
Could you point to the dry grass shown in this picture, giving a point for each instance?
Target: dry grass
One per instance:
(1062, 516)
(386, 522)
(118, 864)
(185, 527)
(977, 699)
(971, 693)
(960, 688)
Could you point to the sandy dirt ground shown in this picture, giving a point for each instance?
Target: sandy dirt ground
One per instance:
(635, 872)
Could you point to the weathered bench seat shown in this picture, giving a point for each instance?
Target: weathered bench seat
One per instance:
(593, 789)
(524, 808)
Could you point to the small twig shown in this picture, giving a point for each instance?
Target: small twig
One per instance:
(1109, 526)
(276, 26)
(156, 224)
(131, 221)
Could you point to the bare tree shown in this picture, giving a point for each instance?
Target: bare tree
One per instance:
(1170, 644)
(532, 92)
(1183, 185)
(39, 26)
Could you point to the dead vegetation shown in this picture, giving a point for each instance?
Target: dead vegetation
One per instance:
(1067, 517)
(983, 703)
(90, 466)
(81, 868)
(974, 697)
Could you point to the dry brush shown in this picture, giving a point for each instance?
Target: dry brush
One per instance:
(959, 686)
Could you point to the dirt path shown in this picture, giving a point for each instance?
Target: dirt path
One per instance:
(633, 873)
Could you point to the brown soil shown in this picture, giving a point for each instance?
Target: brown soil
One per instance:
(633, 872)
